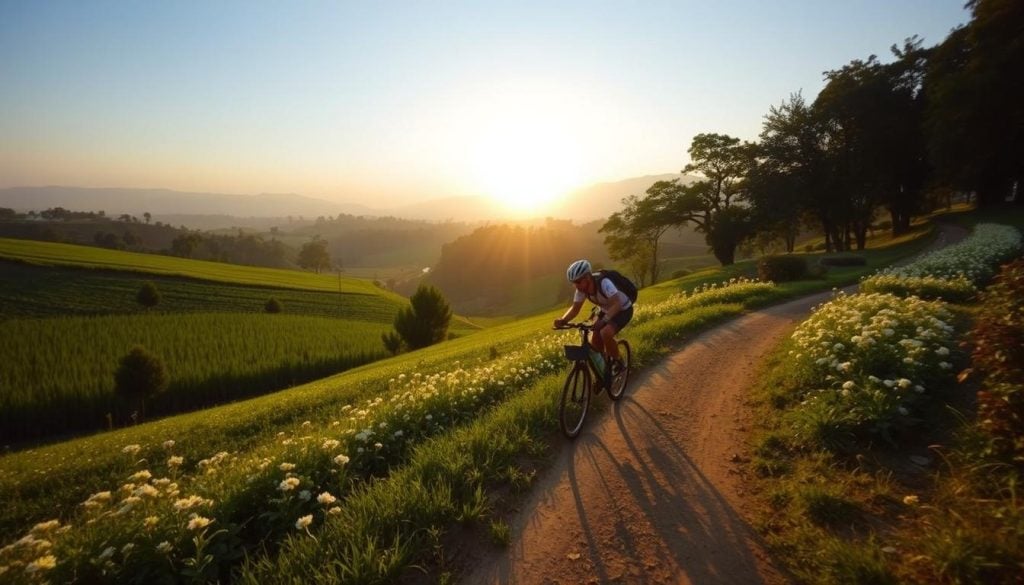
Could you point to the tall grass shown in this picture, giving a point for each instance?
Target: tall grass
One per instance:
(58, 374)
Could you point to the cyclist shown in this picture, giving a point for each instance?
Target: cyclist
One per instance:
(616, 310)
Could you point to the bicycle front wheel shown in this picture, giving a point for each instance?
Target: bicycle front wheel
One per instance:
(575, 400)
(618, 385)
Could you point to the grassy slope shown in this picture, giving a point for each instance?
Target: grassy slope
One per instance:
(43, 481)
(54, 254)
(875, 516)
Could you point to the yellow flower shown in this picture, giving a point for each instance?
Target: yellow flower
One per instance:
(911, 500)
(44, 563)
(198, 522)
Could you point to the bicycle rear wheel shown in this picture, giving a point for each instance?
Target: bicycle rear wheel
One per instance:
(618, 385)
(575, 400)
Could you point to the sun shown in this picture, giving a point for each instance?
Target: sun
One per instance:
(525, 163)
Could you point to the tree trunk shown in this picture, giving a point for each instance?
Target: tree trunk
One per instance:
(725, 254)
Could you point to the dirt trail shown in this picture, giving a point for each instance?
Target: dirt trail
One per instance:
(652, 491)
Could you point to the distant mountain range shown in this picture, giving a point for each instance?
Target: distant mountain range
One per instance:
(593, 202)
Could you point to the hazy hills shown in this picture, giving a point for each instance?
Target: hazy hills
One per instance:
(593, 202)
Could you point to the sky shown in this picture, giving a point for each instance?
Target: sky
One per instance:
(387, 103)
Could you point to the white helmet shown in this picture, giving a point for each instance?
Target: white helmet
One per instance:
(577, 269)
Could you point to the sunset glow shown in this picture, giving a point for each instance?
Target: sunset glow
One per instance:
(526, 164)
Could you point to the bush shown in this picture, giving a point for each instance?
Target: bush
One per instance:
(273, 306)
(781, 268)
(148, 295)
(998, 338)
(845, 260)
(392, 342)
(140, 375)
(425, 321)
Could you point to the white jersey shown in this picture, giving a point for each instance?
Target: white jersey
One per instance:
(606, 291)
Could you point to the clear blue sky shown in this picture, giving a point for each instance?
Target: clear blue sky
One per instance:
(396, 101)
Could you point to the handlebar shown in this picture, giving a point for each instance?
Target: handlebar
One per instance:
(580, 326)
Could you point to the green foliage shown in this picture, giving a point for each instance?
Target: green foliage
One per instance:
(148, 295)
(425, 322)
(314, 255)
(844, 260)
(140, 375)
(273, 306)
(781, 268)
(392, 342)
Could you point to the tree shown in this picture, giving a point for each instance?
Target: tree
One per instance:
(634, 232)
(148, 216)
(787, 180)
(140, 375)
(185, 245)
(425, 321)
(975, 103)
(273, 306)
(710, 203)
(314, 255)
(148, 295)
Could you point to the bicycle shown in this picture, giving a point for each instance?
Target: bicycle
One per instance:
(579, 384)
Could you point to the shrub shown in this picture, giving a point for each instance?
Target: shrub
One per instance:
(148, 295)
(273, 306)
(140, 375)
(781, 268)
(845, 260)
(998, 338)
(392, 342)
(425, 321)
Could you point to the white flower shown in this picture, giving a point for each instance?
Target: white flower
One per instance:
(848, 385)
(330, 444)
(288, 484)
(164, 547)
(334, 511)
(107, 553)
(304, 522)
(286, 466)
(341, 460)
(169, 444)
(175, 461)
(131, 449)
(326, 498)
(305, 495)
(143, 475)
(903, 383)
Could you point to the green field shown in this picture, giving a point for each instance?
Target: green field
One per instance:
(65, 324)
(59, 376)
(55, 254)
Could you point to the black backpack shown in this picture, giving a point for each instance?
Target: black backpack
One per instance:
(619, 280)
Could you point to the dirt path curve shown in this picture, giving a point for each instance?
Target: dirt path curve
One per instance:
(652, 491)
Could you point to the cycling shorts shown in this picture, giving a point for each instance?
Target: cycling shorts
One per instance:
(621, 319)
